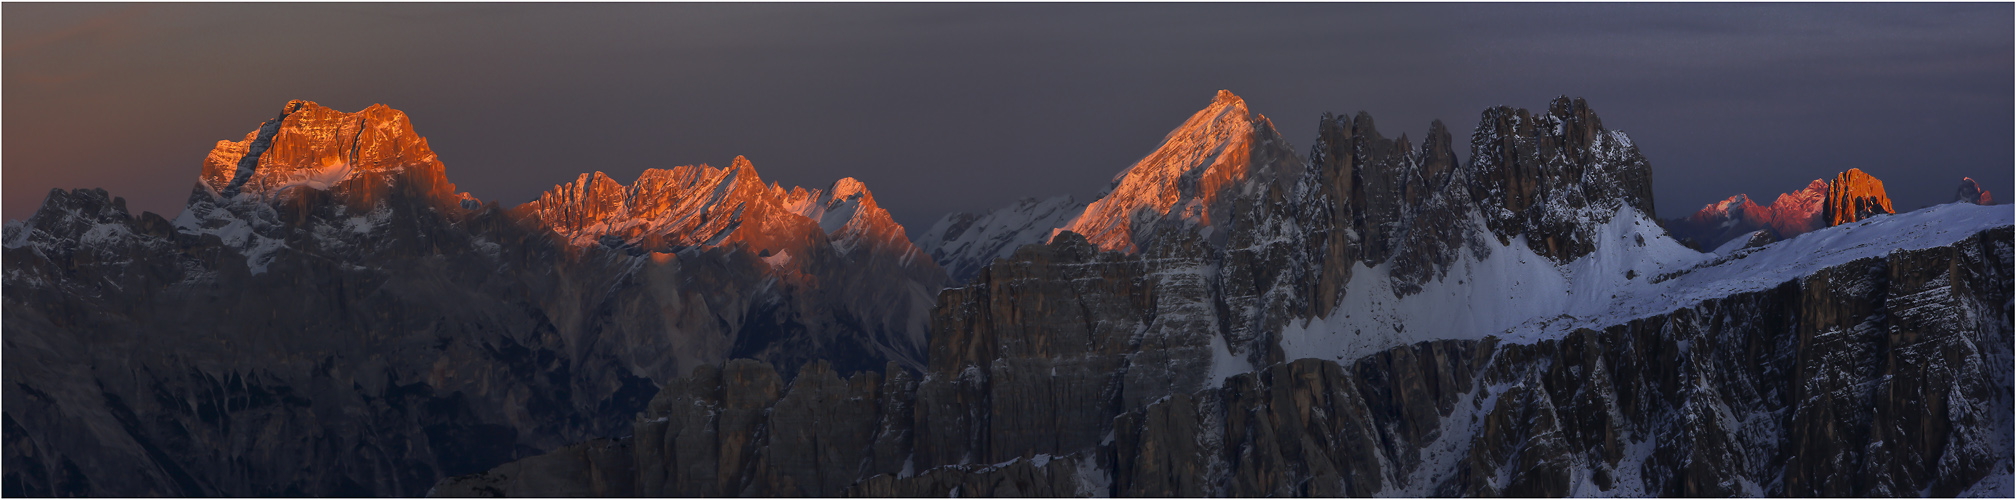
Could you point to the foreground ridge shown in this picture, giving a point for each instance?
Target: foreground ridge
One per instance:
(328, 316)
(1387, 322)
(325, 288)
(1731, 395)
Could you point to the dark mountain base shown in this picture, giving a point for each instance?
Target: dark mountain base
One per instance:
(1880, 377)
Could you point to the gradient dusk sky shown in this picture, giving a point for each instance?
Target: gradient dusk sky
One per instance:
(943, 107)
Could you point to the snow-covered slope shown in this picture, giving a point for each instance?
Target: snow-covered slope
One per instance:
(964, 243)
(1519, 296)
(1391, 321)
(848, 214)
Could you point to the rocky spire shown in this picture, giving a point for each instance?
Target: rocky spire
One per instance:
(1855, 196)
(1541, 175)
(1972, 192)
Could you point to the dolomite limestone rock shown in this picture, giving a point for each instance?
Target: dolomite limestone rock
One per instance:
(1791, 214)
(1972, 192)
(1855, 196)
(337, 290)
(964, 243)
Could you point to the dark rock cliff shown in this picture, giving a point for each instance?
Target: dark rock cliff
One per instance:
(1157, 369)
(343, 323)
(328, 317)
(1880, 377)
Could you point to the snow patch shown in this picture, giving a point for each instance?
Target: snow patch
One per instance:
(1224, 364)
(996, 234)
(1523, 297)
(1093, 481)
(2000, 483)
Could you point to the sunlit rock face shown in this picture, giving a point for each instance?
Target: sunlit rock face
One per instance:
(361, 155)
(1972, 192)
(333, 319)
(1189, 179)
(832, 275)
(1394, 322)
(668, 209)
(703, 206)
(1791, 214)
(1378, 318)
(1855, 196)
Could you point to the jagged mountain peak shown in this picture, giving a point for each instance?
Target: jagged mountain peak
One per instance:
(1544, 175)
(688, 205)
(848, 187)
(362, 155)
(1790, 214)
(704, 206)
(1972, 192)
(848, 213)
(1725, 207)
(1183, 180)
(1853, 196)
(741, 163)
(1227, 97)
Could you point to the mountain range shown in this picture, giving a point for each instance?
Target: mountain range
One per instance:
(329, 316)
(1798, 212)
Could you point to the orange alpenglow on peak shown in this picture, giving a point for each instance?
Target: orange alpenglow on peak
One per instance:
(847, 212)
(1792, 214)
(1854, 196)
(741, 163)
(361, 156)
(699, 205)
(1184, 177)
(687, 205)
(1228, 96)
(1799, 212)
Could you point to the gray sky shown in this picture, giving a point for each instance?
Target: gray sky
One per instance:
(942, 107)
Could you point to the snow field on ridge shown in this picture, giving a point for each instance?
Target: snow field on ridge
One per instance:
(1523, 297)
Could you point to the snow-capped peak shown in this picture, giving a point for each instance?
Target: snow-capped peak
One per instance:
(846, 211)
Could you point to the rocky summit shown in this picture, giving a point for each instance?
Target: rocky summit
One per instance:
(1972, 192)
(1381, 316)
(1855, 196)
(327, 316)
(1792, 214)
(1378, 318)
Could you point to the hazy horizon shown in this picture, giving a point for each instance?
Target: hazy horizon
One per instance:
(942, 108)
